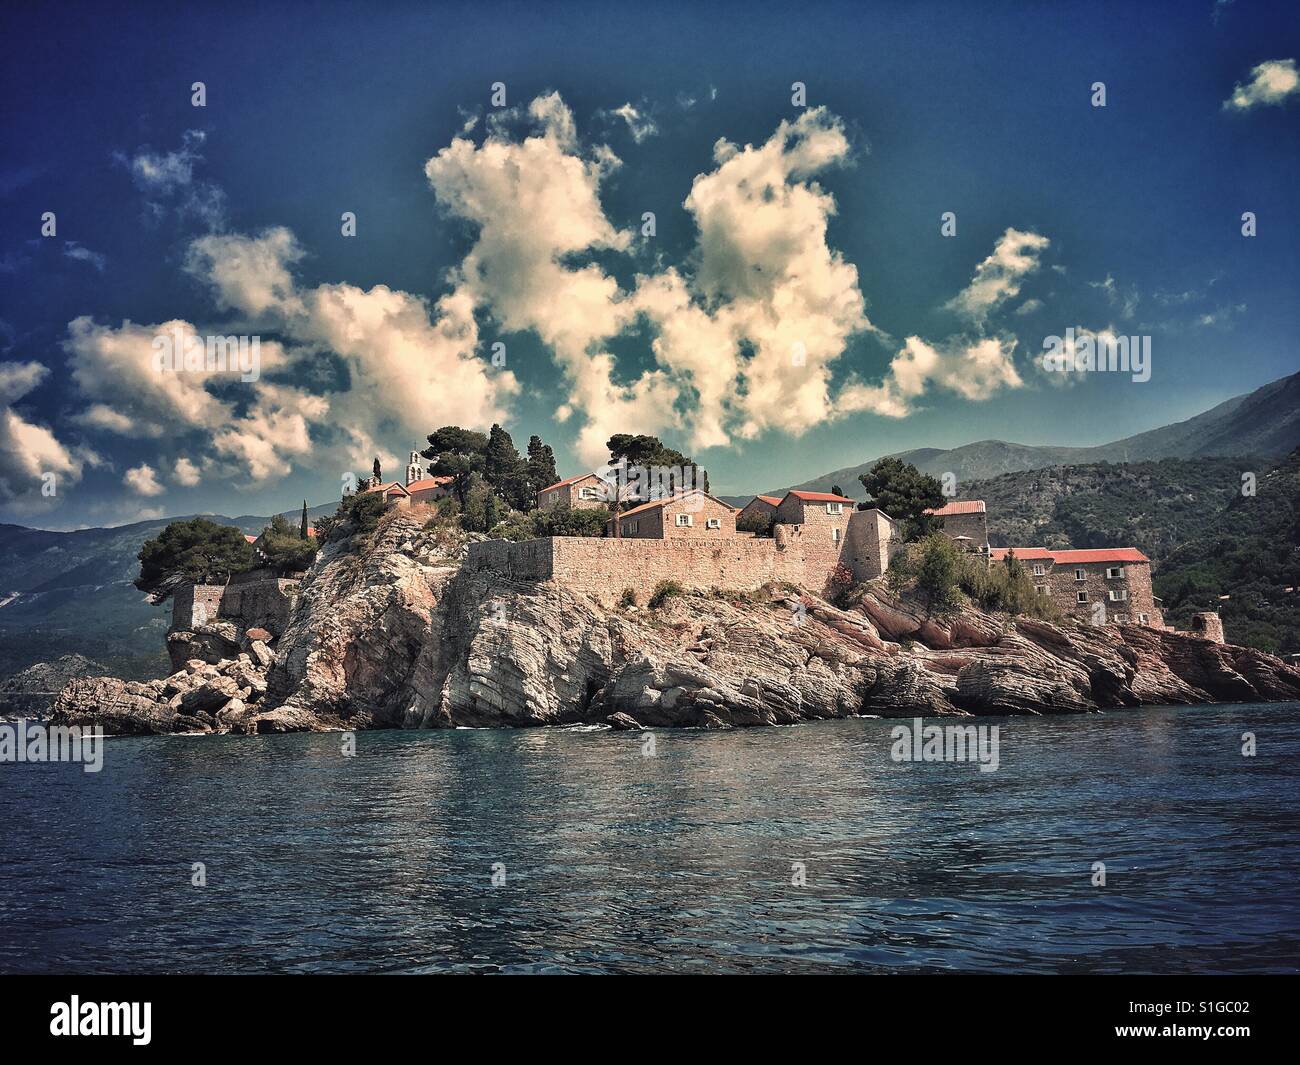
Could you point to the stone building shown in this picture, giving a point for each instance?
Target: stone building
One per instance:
(965, 521)
(684, 516)
(1096, 584)
(583, 492)
(760, 507)
(419, 487)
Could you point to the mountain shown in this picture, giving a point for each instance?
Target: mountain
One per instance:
(71, 592)
(1264, 422)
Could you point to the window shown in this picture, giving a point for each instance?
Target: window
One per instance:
(834, 508)
(1114, 573)
(1118, 595)
(1080, 575)
(835, 535)
(553, 496)
(1039, 569)
(685, 521)
(1142, 618)
(630, 527)
(1080, 597)
(1042, 589)
(1121, 619)
(587, 493)
(713, 523)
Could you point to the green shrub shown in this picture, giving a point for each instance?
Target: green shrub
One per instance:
(663, 591)
(628, 598)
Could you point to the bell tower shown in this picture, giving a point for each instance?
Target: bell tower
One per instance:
(414, 471)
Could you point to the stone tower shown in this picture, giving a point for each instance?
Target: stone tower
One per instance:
(1209, 625)
(414, 471)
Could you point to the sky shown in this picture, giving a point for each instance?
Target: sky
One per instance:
(784, 238)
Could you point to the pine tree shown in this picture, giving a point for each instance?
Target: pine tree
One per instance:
(541, 468)
(379, 473)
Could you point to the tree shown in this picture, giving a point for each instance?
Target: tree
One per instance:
(836, 490)
(197, 551)
(904, 493)
(457, 453)
(937, 573)
(627, 451)
(541, 468)
(302, 525)
(285, 549)
(378, 471)
(505, 471)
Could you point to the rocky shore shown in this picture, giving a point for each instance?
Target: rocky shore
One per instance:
(393, 633)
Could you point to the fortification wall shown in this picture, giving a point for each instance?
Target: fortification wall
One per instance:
(602, 568)
(254, 599)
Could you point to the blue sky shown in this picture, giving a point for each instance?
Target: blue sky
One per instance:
(814, 226)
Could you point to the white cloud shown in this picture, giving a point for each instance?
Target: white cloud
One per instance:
(73, 250)
(998, 278)
(639, 124)
(972, 369)
(169, 176)
(1271, 82)
(186, 473)
(143, 480)
(29, 452)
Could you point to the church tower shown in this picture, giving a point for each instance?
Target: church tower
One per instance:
(414, 471)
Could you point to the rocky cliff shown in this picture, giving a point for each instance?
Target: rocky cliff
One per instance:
(390, 632)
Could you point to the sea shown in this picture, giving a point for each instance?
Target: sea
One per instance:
(1159, 840)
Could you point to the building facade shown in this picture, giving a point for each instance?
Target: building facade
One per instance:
(965, 521)
(584, 492)
(1100, 585)
(690, 515)
(759, 509)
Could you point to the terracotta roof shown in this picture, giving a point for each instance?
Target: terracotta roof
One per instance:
(773, 500)
(962, 506)
(424, 484)
(1093, 554)
(567, 480)
(820, 497)
(670, 499)
(389, 487)
(251, 539)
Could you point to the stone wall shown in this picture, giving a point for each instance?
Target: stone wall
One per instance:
(253, 599)
(602, 568)
(974, 526)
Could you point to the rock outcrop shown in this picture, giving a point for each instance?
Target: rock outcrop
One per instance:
(391, 632)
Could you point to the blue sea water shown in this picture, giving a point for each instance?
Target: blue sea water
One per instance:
(615, 861)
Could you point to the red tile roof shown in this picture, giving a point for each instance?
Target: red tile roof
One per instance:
(1092, 554)
(670, 499)
(820, 497)
(251, 539)
(567, 480)
(429, 482)
(772, 500)
(961, 506)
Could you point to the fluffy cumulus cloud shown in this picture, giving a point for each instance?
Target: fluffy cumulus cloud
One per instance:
(410, 366)
(998, 278)
(748, 338)
(1272, 82)
(143, 480)
(746, 335)
(186, 473)
(30, 452)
